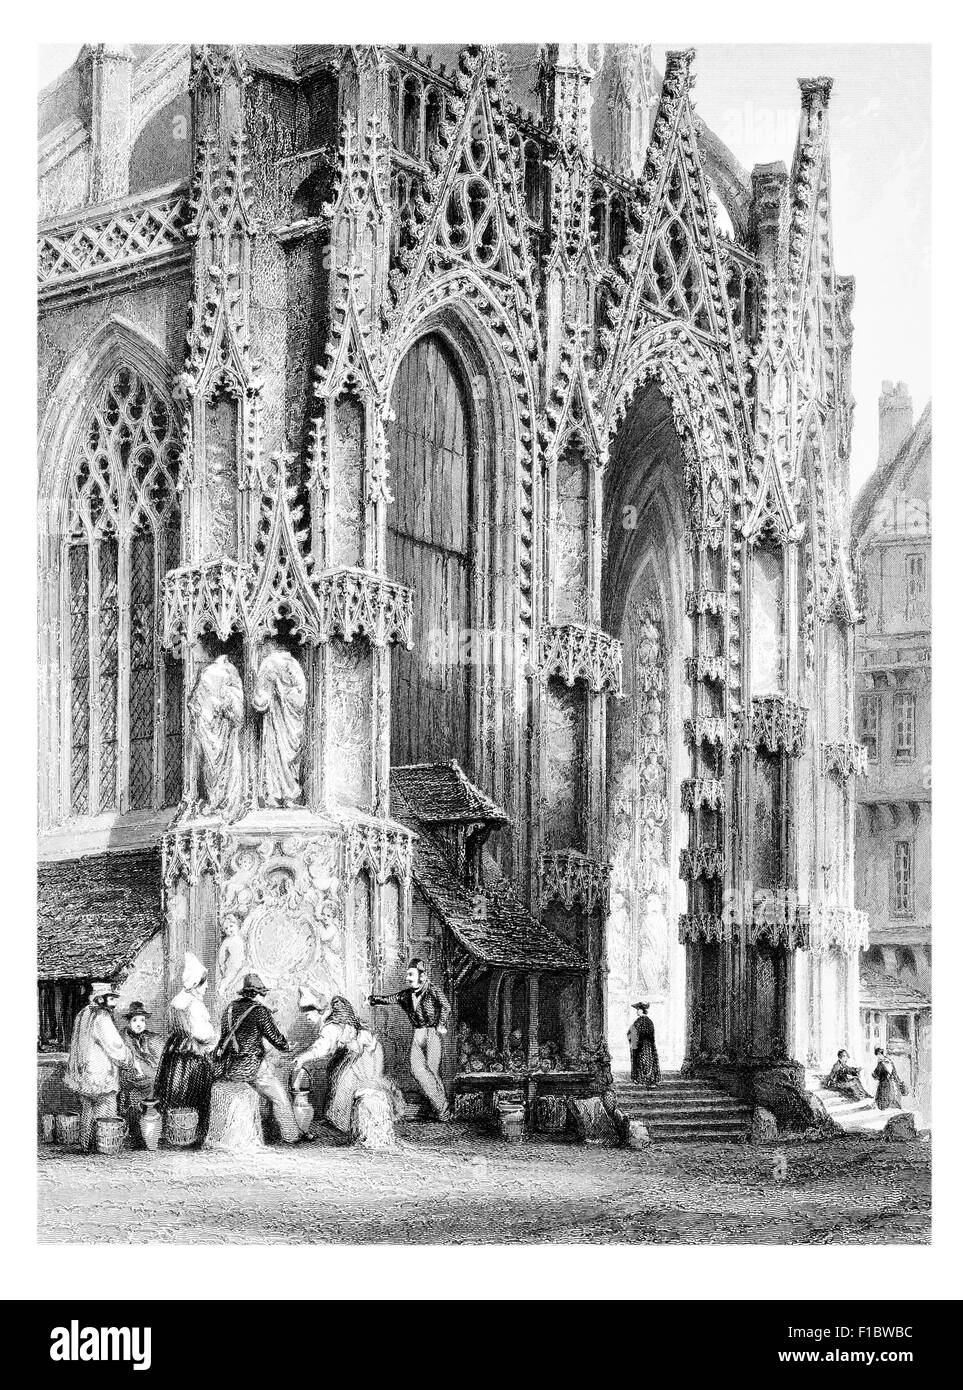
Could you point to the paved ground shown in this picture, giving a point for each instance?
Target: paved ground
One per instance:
(451, 1185)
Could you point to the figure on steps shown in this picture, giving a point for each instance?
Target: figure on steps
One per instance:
(844, 1078)
(645, 1057)
(888, 1089)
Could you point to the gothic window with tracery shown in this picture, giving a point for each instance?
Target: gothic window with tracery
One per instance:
(470, 227)
(674, 276)
(124, 720)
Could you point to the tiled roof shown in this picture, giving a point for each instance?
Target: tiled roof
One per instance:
(95, 914)
(509, 935)
(883, 476)
(441, 794)
(889, 994)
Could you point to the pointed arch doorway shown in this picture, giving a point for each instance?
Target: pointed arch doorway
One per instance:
(645, 575)
(430, 442)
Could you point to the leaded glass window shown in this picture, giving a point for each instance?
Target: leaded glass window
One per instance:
(124, 720)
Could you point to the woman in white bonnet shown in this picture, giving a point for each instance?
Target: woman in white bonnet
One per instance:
(185, 1075)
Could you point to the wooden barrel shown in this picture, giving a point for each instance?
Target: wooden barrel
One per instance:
(67, 1129)
(109, 1136)
(180, 1126)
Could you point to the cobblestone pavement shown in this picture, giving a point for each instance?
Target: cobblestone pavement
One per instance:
(446, 1184)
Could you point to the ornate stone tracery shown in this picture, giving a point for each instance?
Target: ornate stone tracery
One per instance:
(338, 216)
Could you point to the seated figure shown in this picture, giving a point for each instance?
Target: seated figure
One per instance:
(844, 1078)
(354, 1055)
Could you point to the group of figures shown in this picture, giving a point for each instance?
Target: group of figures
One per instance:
(845, 1078)
(217, 709)
(223, 1075)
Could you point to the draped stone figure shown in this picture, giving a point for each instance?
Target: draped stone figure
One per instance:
(280, 694)
(217, 709)
(231, 956)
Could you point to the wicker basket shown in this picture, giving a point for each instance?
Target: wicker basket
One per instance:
(109, 1136)
(180, 1126)
(67, 1129)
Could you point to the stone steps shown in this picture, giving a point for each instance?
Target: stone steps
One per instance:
(684, 1110)
(856, 1116)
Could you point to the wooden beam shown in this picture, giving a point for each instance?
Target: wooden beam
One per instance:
(494, 986)
(532, 984)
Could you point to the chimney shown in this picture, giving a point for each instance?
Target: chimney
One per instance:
(106, 80)
(895, 419)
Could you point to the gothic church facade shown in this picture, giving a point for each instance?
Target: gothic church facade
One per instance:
(444, 546)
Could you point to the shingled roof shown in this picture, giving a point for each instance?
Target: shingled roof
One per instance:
(95, 914)
(509, 935)
(441, 794)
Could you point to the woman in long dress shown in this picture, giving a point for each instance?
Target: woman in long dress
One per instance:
(888, 1090)
(185, 1074)
(844, 1078)
(355, 1060)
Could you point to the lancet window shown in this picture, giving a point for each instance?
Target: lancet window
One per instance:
(122, 533)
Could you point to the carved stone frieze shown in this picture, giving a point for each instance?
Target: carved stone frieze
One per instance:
(775, 723)
(224, 597)
(282, 896)
(205, 598)
(704, 600)
(845, 758)
(790, 931)
(135, 234)
(707, 861)
(844, 929)
(705, 668)
(705, 728)
(707, 793)
(190, 852)
(356, 603)
(570, 877)
(696, 927)
(383, 850)
(579, 651)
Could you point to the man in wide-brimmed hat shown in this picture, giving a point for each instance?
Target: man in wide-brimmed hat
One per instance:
(642, 1049)
(97, 1053)
(248, 1024)
(147, 1048)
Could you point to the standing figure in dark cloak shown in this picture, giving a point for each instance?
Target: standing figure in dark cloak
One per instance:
(888, 1090)
(645, 1056)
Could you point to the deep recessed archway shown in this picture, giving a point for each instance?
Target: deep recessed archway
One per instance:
(644, 579)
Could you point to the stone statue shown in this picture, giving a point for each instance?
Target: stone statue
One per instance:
(217, 709)
(280, 694)
(231, 955)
